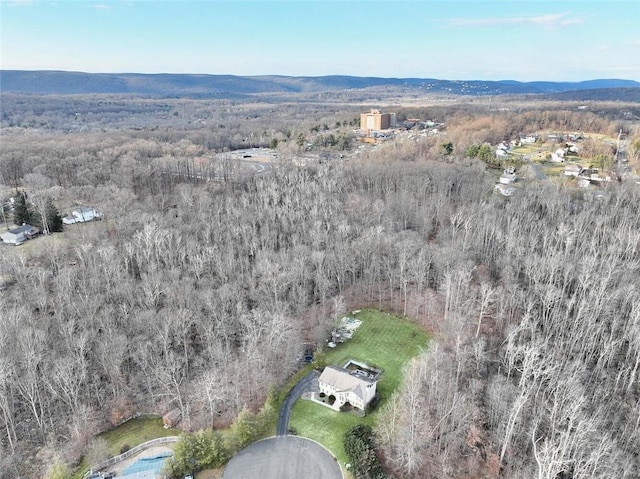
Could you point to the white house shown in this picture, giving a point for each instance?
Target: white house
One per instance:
(82, 214)
(504, 190)
(573, 170)
(508, 176)
(528, 139)
(346, 387)
(19, 235)
(558, 156)
(597, 177)
(583, 182)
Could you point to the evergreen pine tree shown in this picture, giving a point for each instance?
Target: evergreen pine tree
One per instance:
(22, 213)
(54, 220)
(244, 430)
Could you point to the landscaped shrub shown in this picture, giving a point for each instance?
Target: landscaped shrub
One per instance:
(194, 452)
(358, 444)
(244, 430)
(58, 470)
(124, 448)
(373, 403)
(249, 427)
(346, 407)
(331, 399)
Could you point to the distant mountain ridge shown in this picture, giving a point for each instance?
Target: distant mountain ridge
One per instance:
(165, 84)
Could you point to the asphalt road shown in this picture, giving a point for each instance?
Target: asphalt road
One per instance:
(255, 167)
(285, 412)
(283, 457)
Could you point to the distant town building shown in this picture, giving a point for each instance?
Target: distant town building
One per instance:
(504, 190)
(508, 176)
(376, 120)
(573, 170)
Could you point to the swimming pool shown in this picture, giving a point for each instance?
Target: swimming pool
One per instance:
(152, 465)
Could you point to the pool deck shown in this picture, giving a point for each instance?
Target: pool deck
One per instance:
(151, 452)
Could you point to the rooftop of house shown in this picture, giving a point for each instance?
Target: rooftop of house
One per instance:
(24, 229)
(343, 380)
(84, 209)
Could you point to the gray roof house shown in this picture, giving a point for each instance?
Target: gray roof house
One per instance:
(19, 235)
(82, 214)
(346, 387)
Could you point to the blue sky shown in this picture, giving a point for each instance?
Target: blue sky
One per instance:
(466, 40)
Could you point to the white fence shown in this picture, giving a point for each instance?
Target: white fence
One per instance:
(134, 450)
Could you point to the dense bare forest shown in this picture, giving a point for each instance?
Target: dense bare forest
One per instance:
(199, 294)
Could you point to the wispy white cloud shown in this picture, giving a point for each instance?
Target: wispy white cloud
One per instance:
(547, 21)
(18, 3)
(101, 6)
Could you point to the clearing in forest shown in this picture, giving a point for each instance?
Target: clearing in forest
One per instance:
(127, 435)
(382, 341)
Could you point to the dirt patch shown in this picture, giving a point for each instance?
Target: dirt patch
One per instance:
(210, 474)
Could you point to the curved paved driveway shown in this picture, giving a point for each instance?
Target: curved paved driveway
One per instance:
(305, 384)
(283, 457)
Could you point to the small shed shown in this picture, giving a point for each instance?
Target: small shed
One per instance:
(172, 418)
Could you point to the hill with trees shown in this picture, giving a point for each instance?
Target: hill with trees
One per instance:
(233, 86)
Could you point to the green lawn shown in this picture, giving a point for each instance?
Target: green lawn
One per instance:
(553, 169)
(525, 149)
(133, 432)
(324, 425)
(136, 431)
(383, 341)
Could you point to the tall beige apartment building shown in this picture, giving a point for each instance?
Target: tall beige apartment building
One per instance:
(376, 120)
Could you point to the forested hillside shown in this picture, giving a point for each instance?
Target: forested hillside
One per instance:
(199, 295)
(234, 86)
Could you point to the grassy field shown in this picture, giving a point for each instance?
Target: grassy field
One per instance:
(383, 341)
(136, 431)
(525, 149)
(552, 169)
(34, 246)
(133, 432)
